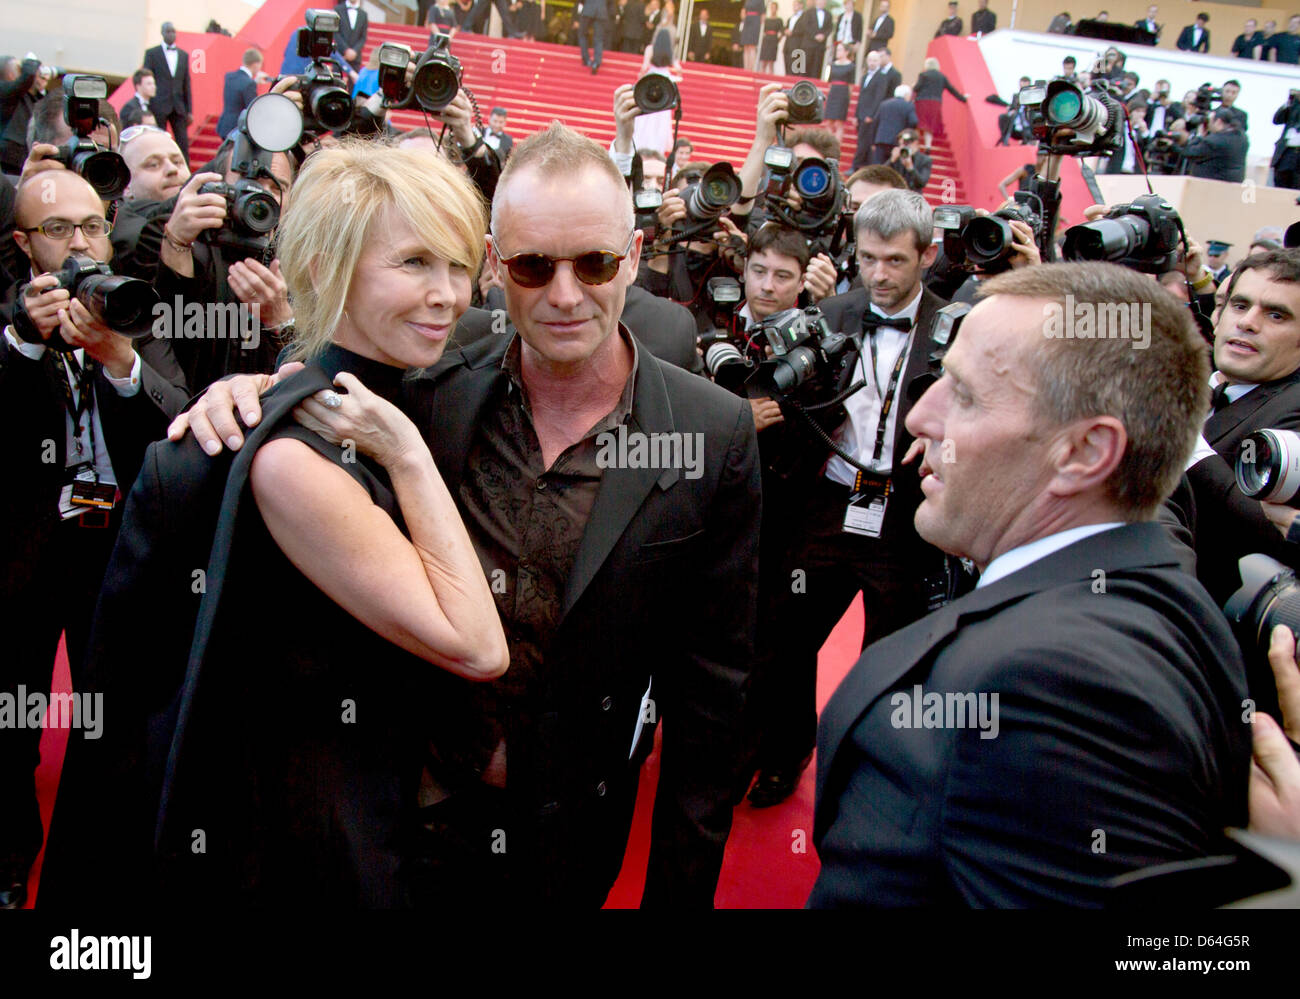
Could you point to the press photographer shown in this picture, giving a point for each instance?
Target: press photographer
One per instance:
(1286, 151)
(83, 401)
(1218, 152)
(912, 164)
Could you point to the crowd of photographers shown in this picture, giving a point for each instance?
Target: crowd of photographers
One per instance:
(827, 302)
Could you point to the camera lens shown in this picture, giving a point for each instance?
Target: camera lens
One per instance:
(812, 180)
(1064, 106)
(435, 85)
(787, 372)
(257, 211)
(1106, 239)
(988, 239)
(803, 95)
(332, 107)
(124, 304)
(654, 93)
(1268, 466)
(105, 171)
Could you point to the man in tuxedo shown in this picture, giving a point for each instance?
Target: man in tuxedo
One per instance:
(893, 115)
(136, 110)
(950, 25)
(173, 104)
(848, 29)
(354, 24)
(851, 529)
(1148, 23)
(1161, 111)
(583, 542)
(983, 20)
(1195, 37)
(878, 83)
(631, 27)
(496, 135)
(701, 40)
(1078, 715)
(240, 90)
(81, 415)
(816, 27)
(882, 28)
(1256, 386)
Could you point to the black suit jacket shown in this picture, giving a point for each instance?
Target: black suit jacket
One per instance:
(894, 115)
(1187, 45)
(1218, 156)
(876, 90)
(983, 21)
(699, 46)
(133, 112)
(348, 37)
(650, 533)
(1120, 742)
(949, 26)
(843, 314)
(1230, 524)
(855, 26)
(883, 34)
(173, 93)
(663, 327)
(238, 92)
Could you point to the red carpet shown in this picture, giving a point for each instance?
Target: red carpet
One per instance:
(770, 863)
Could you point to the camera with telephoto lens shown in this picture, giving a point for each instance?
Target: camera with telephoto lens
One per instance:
(102, 169)
(326, 99)
(1066, 118)
(434, 84)
(271, 124)
(655, 92)
(709, 197)
(803, 349)
(806, 105)
(1207, 96)
(985, 242)
(1269, 596)
(1268, 466)
(123, 304)
(1142, 235)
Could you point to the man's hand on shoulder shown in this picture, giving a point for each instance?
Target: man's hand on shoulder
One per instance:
(212, 417)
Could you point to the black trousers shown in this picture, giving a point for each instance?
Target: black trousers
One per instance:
(177, 121)
(823, 571)
(862, 153)
(60, 598)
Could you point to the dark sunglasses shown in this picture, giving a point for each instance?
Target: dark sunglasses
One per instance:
(535, 270)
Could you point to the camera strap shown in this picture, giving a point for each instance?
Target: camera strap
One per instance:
(84, 376)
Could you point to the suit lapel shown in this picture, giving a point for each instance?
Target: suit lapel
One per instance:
(449, 428)
(1141, 545)
(623, 490)
(1222, 424)
(918, 362)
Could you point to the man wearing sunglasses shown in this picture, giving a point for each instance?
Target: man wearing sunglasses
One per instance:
(78, 416)
(602, 563)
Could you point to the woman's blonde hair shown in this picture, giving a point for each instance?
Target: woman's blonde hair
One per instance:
(338, 198)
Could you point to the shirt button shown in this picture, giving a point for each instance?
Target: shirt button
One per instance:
(606, 704)
(601, 789)
(541, 484)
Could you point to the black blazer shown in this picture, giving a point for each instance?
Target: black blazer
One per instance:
(855, 26)
(348, 37)
(1187, 45)
(843, 314)
(133, 112)
(1121, 719)
(876, 90)
(651, 532)
(983, 21)
(173, 93)
(631, 23)
(663, 327)
(1218, 156)
(883, 34)
(699, 46)
(1230, 524)
(238, 92)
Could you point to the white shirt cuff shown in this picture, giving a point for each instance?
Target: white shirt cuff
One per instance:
(31, 351)
(621, 160)
(130, 385)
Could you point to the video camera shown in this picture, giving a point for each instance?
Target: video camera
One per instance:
(984, 242)
(1142, 235)
(436, 80)
(123, 304)
(271, 124)
(102, 169)
(326, 99)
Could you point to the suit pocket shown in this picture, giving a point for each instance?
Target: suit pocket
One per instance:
(656, 551)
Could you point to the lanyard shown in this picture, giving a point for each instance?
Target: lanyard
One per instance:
(84, 377)
(887, 400)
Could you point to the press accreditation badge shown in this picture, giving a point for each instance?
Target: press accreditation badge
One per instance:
(84, 493)
(865, 514)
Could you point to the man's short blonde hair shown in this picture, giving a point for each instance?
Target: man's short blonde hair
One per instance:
(337, 200)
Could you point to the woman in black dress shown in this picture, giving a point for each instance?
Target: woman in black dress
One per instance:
(442, 19)
(750, 29)
(837, 101)
(772, 28)
(298, 755)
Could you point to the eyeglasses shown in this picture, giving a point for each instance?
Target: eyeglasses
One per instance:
(133, 131)
(535, 270)
(91, 228)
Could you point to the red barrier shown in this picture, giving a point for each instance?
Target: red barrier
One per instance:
(973, 131)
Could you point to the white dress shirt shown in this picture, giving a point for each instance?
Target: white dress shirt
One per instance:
(1018, 558)
(858, 436)
(171, 53)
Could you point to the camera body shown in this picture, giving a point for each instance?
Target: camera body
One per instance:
(803, 349)
(251, 216)
(326, 99)
(436, 80)
(103, 169)
(655, 92)
(806, 104)
(1142, 235)
(822, 196)
(1065, 118)
(985, 242)
(123, 304)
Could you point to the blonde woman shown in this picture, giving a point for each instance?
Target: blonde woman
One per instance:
(334, 541)
(928, 94)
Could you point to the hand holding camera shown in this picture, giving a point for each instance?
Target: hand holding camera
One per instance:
(43, 299)
(80, 328)
(196, 211)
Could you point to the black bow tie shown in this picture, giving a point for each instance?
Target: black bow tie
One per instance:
(870, 322)
(1219, 397)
